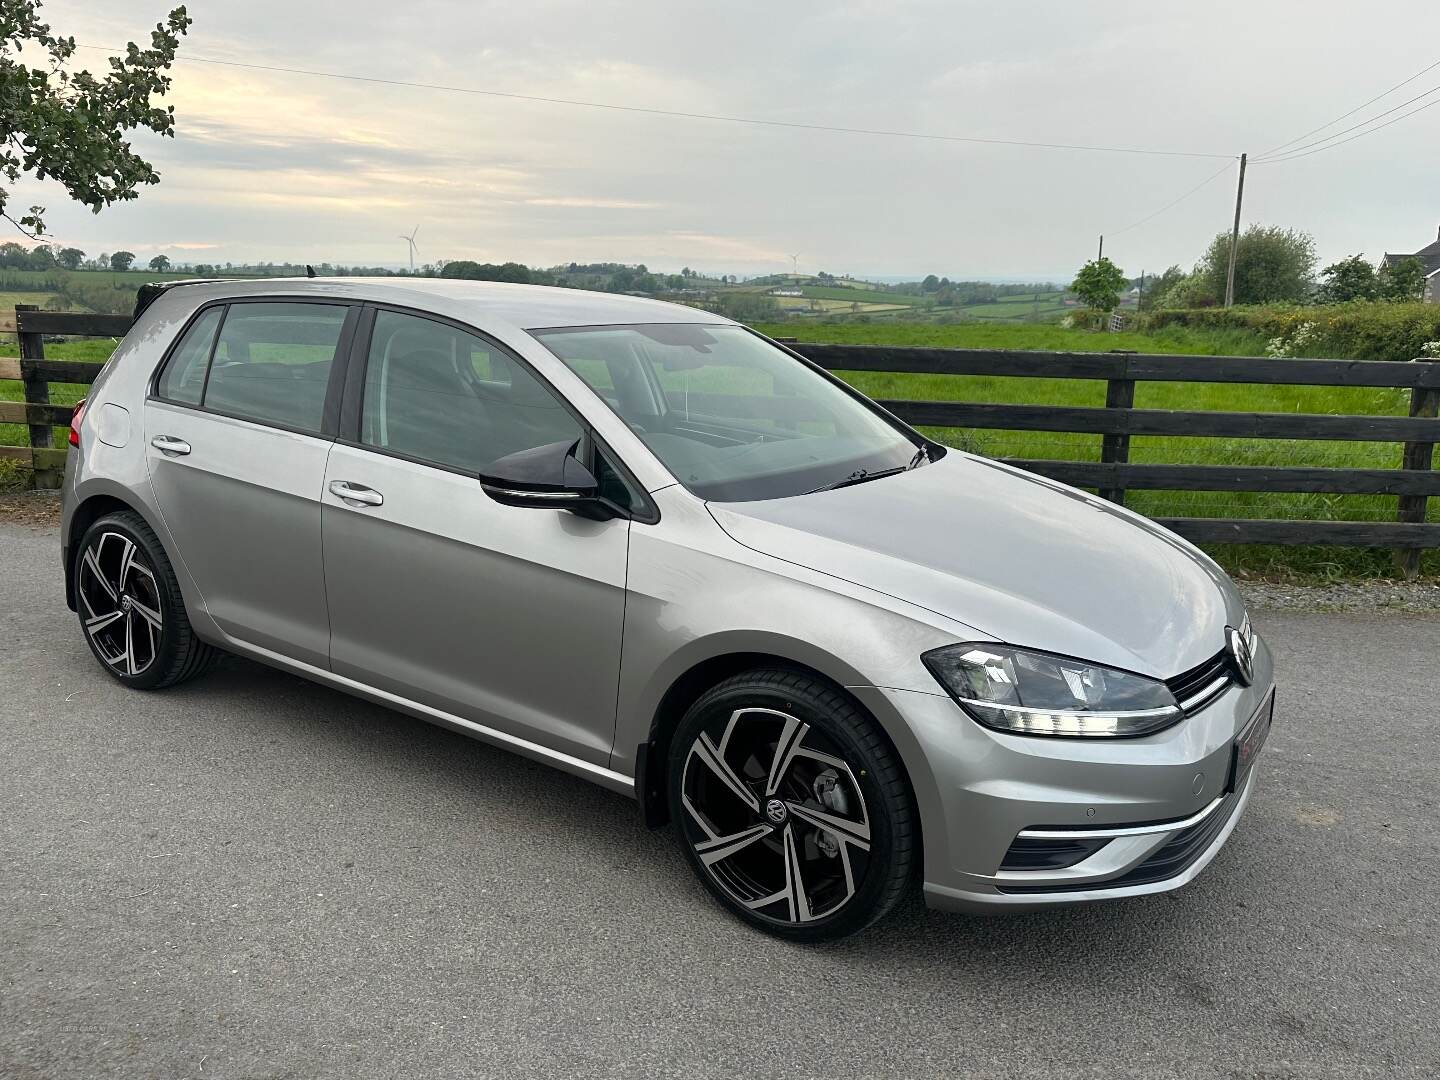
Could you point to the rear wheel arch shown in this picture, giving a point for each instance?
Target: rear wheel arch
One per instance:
(85, 514)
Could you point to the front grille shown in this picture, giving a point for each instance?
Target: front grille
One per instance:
(1173, 857)
(1201, 685)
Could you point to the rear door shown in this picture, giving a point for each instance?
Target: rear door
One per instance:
(237, 432)
(504, 616)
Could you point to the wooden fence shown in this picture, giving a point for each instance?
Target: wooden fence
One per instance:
(32, 326)
(1114, 474)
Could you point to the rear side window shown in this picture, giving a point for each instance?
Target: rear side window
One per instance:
(272, 363)
(184, 377)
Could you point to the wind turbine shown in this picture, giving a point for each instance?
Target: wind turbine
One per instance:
(411, 241)
(795, 265)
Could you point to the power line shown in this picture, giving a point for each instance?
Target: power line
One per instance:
(1353, 127)
(1353, 111)
(1175, 202)
(1295, 157)
(721, 118)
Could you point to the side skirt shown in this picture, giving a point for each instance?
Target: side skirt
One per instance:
(598, 774)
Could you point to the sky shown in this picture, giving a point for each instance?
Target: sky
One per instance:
(287, 167)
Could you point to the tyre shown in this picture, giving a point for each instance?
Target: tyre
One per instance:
(130, 606)
(791, 806)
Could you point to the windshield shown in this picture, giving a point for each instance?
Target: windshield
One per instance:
(733, 417)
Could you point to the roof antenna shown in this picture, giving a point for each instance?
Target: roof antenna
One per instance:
(309, 270)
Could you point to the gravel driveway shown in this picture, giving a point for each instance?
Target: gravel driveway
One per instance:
(252, 876)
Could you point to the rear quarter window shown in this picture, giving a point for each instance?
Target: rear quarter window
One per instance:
(183, 379)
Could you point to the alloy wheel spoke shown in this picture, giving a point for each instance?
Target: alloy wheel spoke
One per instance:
(127, 559)
(707, 752)
(149, 614)
(93, 564)
(129, 657)
(99, 622)
(799, 899)
(790, 738)
(851, 832)
(844, 856)
(722, 847)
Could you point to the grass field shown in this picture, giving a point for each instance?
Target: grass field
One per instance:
(1299, 561)
(18, 278)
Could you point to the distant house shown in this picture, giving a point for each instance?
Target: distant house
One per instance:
(1429, 257)
(787, 290)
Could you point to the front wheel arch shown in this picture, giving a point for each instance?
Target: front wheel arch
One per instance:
(651, 780)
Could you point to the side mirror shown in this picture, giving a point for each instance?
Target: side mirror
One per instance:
(546, 477)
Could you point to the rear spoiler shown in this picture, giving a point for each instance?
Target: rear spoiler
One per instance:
(152, 291)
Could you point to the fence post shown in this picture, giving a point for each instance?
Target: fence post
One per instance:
(1416, 455)
(1119, 394)
(36, 388)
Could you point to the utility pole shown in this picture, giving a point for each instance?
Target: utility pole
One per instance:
(1235, 236)
(1101, 255)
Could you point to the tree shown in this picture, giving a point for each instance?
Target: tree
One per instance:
(1157, 286)
(71, 126)
(70, 258)
(1271, 265)
(160, 264)
(1098, 284)
(1401, 281)
(930, 284)
(121, 260)
(1348, 279)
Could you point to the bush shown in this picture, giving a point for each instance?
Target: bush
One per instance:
(1360, 330)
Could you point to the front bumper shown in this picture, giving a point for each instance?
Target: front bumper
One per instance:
(1155, 809)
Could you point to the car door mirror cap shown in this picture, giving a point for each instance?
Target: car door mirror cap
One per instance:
(548, 477)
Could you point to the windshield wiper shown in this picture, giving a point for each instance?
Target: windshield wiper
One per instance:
(859, 476)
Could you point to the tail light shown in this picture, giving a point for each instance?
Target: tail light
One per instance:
(75, 422)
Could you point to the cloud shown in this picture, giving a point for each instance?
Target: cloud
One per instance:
(269, 165)
(585, 202)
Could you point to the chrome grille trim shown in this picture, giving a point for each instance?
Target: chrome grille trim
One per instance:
(1201, 685)
(1205, 696)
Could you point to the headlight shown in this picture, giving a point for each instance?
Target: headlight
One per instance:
(1033, 693)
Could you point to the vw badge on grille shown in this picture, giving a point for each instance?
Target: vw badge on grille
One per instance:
(1240, 653)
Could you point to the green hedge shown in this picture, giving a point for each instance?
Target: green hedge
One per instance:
(1362, 330)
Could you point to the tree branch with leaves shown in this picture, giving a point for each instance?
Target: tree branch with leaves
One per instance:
(72, 127)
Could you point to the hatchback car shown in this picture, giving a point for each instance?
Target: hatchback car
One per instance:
(657, 550)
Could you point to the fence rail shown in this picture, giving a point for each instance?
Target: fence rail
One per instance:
(1413, 483)
(1113, 475)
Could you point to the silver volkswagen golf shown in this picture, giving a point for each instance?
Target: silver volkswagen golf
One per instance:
(652, 548)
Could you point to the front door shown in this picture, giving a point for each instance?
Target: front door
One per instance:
(505, 616)
(236, 454)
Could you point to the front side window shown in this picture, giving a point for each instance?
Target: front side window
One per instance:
(730, 415)
(440, 394)
(272, 362)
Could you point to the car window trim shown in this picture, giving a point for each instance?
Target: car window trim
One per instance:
(339, 363)
(352, 409)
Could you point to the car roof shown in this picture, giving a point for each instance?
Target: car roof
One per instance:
(526, 307)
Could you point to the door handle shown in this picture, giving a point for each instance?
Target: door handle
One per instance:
(169, 444)
(355, 494)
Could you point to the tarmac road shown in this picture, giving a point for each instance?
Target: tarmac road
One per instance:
(252, 876)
